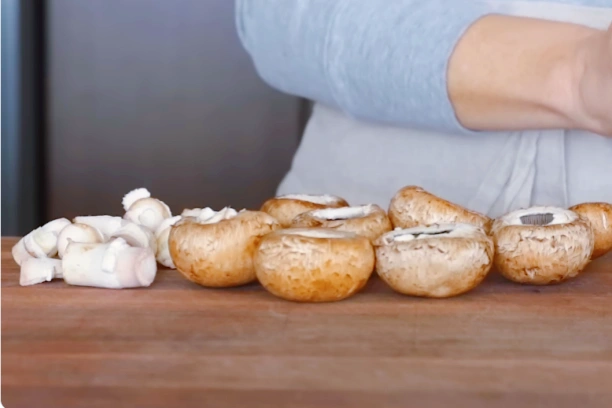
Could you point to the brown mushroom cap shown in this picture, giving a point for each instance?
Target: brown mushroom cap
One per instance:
(437, 261)
(314, 264)
(219, 254)
(542, 245)
(370, 220)
(412, 206)
(600, 217)
(286, 207)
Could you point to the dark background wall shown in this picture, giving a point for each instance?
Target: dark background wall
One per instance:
(156, 94)
(22, 114)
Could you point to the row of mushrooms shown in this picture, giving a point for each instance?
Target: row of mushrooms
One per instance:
(319, 248)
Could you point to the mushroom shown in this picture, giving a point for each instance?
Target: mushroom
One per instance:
(218, 251)
(314, 264)
(116, 227)
(436, 261)
(286, 207)
(412, 206)
(136, 235)
(145, 210)
(370, 220)
(78, 233)
(38, 270)
(162, 234)
(106, 224)
(542, 245)
(111, 265)
(39, 243)
(600, 217)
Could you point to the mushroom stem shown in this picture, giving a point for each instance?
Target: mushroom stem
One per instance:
(39, 243)
(113, 265)
(20, 253)
(148, 212)
(106, 224)
(136, 235)
(77, 233)
(163, 234)
(39, 270)
(133, 196)
(145, 210)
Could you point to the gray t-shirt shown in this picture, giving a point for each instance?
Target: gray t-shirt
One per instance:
(382, 118)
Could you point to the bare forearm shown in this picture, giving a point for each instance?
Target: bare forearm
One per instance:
(518, 73)
(387, 62)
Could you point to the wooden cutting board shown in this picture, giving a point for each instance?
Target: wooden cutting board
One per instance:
(177, 344)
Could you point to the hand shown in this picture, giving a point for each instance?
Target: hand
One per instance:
(593, 96)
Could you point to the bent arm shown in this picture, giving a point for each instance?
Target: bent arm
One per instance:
(514, 73)
(440, 64)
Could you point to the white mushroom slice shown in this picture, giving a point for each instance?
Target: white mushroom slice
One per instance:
(57, 225)
(600, 217)
(111, 265)
(162, 234)
(20, 253)
(136, 235)
(542, 245)
(167, 223)
(39, 270)
(314, 264)
(286, 207)
(42, 242)
(106, 224)
(78, 233)
(146, 211)
(219, 253)
(436, 261)
(370, 220)
(412, 206)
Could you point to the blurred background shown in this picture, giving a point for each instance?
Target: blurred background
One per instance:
(103, 96)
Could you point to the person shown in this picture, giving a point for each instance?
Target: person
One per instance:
(493, 105)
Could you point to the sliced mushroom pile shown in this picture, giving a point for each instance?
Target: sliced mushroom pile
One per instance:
(98, 250)
(318, 247)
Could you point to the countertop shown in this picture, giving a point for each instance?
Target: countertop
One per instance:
(176, 344)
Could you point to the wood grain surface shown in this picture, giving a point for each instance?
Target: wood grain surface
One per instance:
(177, 344)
